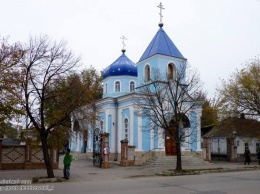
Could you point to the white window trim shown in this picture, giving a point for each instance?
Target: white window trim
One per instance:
(144, 73)
(119, 85)
(174, 68)
(101, 128)
(128, 127)
(130, 85)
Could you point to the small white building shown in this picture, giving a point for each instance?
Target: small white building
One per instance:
(230, 138)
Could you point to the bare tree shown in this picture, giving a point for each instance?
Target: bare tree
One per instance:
(42, 65)
(167, 101)
(10, 55)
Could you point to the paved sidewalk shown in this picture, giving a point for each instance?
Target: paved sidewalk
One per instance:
(82, 170)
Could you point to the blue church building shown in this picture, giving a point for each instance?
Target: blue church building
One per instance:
(116, 110)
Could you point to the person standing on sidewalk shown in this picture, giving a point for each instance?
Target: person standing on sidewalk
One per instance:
(258, 157)
(247, 156)
(67, 162)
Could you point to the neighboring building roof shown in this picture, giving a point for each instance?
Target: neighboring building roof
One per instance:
(161, 44)
(10, 141)
(236, 126)
(122, 66)
(206, 129)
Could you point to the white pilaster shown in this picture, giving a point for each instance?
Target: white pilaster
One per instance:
(199, 113)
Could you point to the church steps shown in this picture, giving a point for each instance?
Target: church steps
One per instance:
(171, 160)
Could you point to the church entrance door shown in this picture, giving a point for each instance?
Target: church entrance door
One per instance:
(170, 144)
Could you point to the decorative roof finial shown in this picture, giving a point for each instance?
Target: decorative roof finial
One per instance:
(161, 16)
(123, 41)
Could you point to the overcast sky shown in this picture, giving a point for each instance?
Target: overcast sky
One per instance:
(216, 36)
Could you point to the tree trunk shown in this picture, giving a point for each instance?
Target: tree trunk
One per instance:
(85, 137)
(47, 159)
(178, 163)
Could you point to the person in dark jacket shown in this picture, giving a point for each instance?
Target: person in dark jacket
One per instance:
(67, 162)
(247, 156)
(258, 157)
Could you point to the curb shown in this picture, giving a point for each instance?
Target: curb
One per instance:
(202, 171)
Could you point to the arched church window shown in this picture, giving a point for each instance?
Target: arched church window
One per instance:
(147, 73)
(126, 127)
(171, 71)
(132, 86)
(76, 126)
(106, 88)
(117, 86)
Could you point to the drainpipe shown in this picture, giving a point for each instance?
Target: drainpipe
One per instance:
(116, 128)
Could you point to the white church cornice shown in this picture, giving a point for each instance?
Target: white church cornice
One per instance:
(119, 77)
(123, 98)
(162, 56)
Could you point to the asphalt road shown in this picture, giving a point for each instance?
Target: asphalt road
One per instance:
(246, 182)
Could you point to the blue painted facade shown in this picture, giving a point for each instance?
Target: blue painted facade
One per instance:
(146, 134)
(117, 114)
(135, 123)
(110, 130)
(160, 62)
(193, 137)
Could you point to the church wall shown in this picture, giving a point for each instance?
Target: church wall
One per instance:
(155, 137)
(159, 62)
(152, 62)
(108, 119)
(102, 116)
(119, 130)
(199, 139)
(161, 139)
(125, 104)
(151, 138)
(76, 141)
(179, 65)
(90, 141)
(140, 134)
(145, 134)
(110, 127)
(193, 128)
(124, 85)
(126, 115)
(135, 126)
(126, 110)
(132, 126)
(108, 105)
(108, 116)
(109, 130)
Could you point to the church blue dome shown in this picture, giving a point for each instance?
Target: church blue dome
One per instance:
(122, 66)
